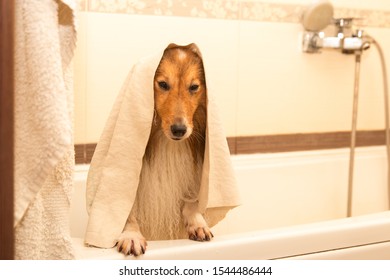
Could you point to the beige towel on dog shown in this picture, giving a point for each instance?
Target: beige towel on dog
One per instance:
(116, 165)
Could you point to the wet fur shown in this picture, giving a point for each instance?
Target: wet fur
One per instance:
(166, 204)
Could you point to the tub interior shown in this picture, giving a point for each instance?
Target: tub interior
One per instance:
(281, 193)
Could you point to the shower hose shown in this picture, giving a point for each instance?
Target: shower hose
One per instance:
(354, 119)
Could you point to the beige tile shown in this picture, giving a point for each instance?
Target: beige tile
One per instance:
(282, 90)
(80, 86)
(371, 5)
(261, 80)
(110, 57)
(371, 102)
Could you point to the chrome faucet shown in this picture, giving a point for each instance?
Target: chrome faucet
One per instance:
(317, 17)
(345, 39)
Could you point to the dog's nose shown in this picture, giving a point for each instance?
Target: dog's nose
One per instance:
(178, 130)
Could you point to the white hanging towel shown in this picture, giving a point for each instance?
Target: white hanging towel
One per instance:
(45, 38)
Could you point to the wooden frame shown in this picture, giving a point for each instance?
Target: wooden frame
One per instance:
(6, 129)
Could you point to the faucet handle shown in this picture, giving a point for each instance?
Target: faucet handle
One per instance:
(345, 22)
(344, 25)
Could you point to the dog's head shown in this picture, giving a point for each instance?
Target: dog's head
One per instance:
(179, 89)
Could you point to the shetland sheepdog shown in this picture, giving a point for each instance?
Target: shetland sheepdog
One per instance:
(166, 204)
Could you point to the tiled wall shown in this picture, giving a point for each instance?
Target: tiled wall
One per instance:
(262, 81)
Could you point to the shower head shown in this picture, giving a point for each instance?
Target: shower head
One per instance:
(317, 15)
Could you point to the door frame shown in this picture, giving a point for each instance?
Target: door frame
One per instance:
(6, 129)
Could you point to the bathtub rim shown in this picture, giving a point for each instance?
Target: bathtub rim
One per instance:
(264, 244)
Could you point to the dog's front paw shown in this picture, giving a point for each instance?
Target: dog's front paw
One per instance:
(199, 233)
(195, 223)
(131, 243)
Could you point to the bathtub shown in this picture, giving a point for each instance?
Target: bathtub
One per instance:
(294, 207)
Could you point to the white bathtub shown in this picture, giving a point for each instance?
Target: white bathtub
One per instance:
(294, 206)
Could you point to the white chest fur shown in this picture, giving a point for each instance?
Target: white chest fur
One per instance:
(169, 177)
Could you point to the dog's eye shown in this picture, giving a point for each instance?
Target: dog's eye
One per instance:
(163, 85)
(194, 88)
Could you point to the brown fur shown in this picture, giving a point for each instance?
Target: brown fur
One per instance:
(167, 198)
(180, 102)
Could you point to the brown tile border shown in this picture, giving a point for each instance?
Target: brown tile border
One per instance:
(306, 141)
(84, 152)
(276, 143)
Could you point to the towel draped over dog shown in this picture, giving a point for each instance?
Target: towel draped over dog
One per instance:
(116, 165)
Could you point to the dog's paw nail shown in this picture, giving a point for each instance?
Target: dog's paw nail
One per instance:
(142, 249)
(132, 249)
(200, 233)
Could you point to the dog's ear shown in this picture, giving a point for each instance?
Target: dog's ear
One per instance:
(171, 46)
(193, 47)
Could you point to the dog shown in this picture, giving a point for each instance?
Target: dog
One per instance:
(166, 204)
